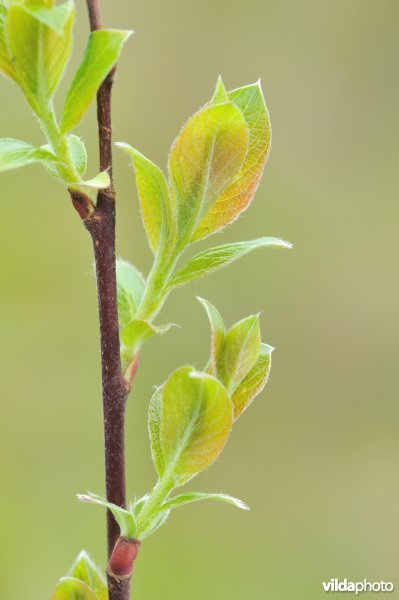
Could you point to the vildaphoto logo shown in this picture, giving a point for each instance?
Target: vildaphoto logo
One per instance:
(357, 587)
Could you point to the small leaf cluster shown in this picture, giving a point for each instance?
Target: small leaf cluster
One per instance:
(83, 582)
(190, 420)
(35, 48)
(214, 168)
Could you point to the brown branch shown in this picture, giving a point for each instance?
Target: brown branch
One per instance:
(100, 222)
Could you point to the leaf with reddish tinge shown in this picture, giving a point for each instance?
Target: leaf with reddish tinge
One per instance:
(252, 385)
(237, 197)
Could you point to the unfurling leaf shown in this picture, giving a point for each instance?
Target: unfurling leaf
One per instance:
(191, 497)
(156, 208)
(135, 334)
(124, 518)
(40, 42)
(130, 289)
(101, 54)
(240, 352)
(204, 160)
(218, 333)
(102, 181)
(237, 197)
(85, 570)
(254, 382)
(78, 154)
(190, 421)
(70, 588)
(216, 258)
(15, 153)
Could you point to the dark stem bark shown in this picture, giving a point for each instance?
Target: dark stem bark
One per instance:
(100, 222)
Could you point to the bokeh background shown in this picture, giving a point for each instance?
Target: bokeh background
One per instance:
(317, 456)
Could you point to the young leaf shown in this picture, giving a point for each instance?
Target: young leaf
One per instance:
(14, 154)
(85, 570)
(55, 17)
(237, 197)
(130, 289)
(218, 333)
(220, 95)
(156, 207)
(240, 352)
(204, 160)
(216, 258)
(6, 66)
(40, 54)
(154, 427)
(101, 54)
(190, 421)
(254, 382)
(191, 497)
(135, 334)
(102, 181)
(123, 517)
(78, 154)
(70, 588)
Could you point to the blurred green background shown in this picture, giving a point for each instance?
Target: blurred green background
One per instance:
(317, 456)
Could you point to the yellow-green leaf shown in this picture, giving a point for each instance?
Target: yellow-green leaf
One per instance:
(40, 53)
(5, 62)
(127, 525)
(252, 385)
(191, 421)
(220, 95)
(204, 160)
(156, 207)
(240, 352)
(101, 54)
(87, 571)
(216, 258)
(218, 331)
(70, 588)
(130, 289)
(237, 197)
(15, 153)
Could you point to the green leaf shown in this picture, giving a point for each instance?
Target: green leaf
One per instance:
(154, 426)
(237, 197)
(14, 154)
(124, 518)
(254, 382)
(218, 333)
(240, 352)
(216, 258)
(102, 181)
(156, 207)
(130, 289)
(55, 17)
(205, 158)
(40, 54)
(85, 570)
(70, 588)
(6, 66)
(190, 421)
(191, 497)
(220, 95)
(78, 154)
(137, 332)
(101, 55)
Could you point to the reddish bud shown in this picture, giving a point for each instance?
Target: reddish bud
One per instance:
(124, 554)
